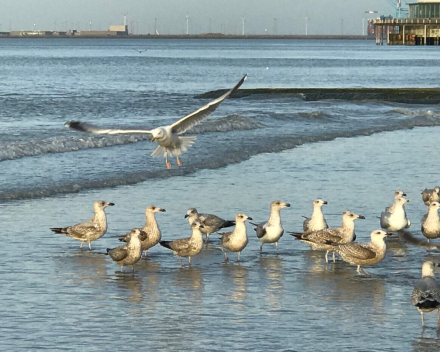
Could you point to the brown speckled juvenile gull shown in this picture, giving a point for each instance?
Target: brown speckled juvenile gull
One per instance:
(431, 195)
(322, 240)
(317, 221)
(364, 253)
(271, 230)
(168, 137)
(236, 240)
(130, 253)
(211, 223)
(90, 230)
(151, 234)
(431, 222)
(187, 247)
(426, 293)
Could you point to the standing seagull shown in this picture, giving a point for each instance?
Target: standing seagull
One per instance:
(364, 253)
(431, 222)
(395, 221)
(90, 230)
(271, 231)
(236, 240)
(323, 240)
(151, 233)
(317, 221)
(211, 223)
(426, 294)
(130, 253)
(397, 194)
(431, 195)
(187, 247)
(168, 137)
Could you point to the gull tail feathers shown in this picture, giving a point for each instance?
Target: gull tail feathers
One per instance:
(61, 230)
(185, 143)
(228, 223)
(159, 152)
(165, 244)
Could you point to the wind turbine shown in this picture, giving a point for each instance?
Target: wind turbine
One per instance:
(187, 24)
(242, 19)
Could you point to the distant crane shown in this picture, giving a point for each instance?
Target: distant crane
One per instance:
(400, 12)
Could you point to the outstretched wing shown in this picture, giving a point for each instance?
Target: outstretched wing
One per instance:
(195, 117)
(86, 127)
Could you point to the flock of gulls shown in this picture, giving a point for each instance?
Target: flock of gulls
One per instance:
(316, 233)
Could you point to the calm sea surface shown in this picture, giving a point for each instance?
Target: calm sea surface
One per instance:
(253, 150)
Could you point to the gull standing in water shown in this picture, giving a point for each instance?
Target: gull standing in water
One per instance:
(187, 247)
(271, 230)
(322, 240)
(426, 294)
(317, 221)
(90, 230)
(236, 240)
(431, 222)
(397, 194)
(211, 223)
(364, 253)
(168, 137)
(395, 221)
(130, 253)
(151, 234)
(431, 195)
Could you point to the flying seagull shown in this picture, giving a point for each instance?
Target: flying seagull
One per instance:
(168, 137)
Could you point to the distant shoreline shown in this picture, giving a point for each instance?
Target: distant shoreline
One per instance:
(199, 36)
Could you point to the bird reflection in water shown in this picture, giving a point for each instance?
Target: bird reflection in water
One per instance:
(272, 267)
(237, 274)
(129, 286)
(88, 268)
(428, 341)
(190, 282)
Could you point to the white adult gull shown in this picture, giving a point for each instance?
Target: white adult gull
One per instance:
(317, 221)
(397, 194)
(397, 220)
(271, 230)
(168, 137)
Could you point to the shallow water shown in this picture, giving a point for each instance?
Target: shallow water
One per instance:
(354, 155)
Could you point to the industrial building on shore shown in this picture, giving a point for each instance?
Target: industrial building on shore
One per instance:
(421, 27)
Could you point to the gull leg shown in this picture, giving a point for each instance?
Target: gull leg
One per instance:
(166, 161)
(132, 268)
(438, 316)
(180, 260)
(366, 272)
(423, 320)
(326, 258)
(276, 245)
(90, 245)
(81, 245)
(179, 162)
(189, 261)
(261, 248)
(238, 257)
(334, 259)
(224, 253)
(359, 270)
(207, 238)
(144, 253)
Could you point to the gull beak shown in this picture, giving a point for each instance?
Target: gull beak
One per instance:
(249, 218)
(325, 203)
(186, 215)
(404, 194)
(361, 217)
(152, 139)
(162, 210)
(110, 204)
(287, 205)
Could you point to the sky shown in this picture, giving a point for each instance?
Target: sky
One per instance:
(333, 17)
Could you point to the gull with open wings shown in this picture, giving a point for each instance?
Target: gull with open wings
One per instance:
(168, 137)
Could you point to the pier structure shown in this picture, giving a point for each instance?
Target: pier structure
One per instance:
(422, 27)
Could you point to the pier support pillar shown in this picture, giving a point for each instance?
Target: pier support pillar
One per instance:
(424, 34)
(403, 34)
